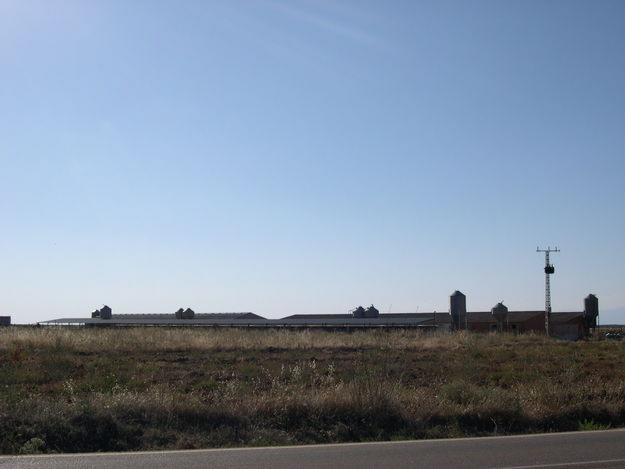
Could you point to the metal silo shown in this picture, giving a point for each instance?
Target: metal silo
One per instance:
(458, 310)
(591, 310)
(500, 313)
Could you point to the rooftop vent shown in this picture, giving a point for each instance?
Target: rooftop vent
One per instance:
(106, 312)
(359, 312)
(499, 311)
(372, 312)
(185, 313)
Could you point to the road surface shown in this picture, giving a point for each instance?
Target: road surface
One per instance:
(599, 449)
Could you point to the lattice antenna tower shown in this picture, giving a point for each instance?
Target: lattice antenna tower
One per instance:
(549, 269)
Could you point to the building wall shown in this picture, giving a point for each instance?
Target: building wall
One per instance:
(5, 320)
(480, 326)
(535, 324)
(570, 331)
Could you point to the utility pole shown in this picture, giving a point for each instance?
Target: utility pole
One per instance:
(549, 269)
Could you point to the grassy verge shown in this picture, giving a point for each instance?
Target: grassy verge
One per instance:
(100, 390)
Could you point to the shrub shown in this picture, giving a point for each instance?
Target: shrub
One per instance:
(33, 446)
(589, 424)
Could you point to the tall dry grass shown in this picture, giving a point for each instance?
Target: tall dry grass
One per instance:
(303, 403)
(67, 389)
(158, 339)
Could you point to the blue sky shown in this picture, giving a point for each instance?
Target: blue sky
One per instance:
(309, 156)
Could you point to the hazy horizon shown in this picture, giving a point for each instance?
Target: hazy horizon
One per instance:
(305, 156)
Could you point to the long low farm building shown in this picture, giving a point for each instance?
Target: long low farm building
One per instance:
(187, 317)
(568, 325)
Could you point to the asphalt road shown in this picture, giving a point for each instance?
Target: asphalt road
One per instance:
(600, 449)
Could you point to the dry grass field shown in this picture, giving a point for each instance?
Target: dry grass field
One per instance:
(68, 390)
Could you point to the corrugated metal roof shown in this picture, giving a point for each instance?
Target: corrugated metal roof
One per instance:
(301, 320)
(560, 318)
(319, 316)
(347, 319)
(156, 321)
(234, 319)
(246, 315)
(386, 316)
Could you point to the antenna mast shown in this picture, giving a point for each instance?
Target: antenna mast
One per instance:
(549, 269)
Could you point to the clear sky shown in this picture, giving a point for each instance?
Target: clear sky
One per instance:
(309, 156)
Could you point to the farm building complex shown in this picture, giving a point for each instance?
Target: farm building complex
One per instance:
(568, 325)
